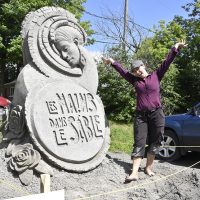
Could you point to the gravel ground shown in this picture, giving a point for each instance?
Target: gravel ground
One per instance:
(172, 181)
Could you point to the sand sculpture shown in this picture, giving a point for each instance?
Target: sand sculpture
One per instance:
(57, 117)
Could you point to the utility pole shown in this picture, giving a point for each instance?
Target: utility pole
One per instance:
(125, 24)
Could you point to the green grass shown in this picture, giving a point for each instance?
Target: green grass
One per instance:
(121, 137)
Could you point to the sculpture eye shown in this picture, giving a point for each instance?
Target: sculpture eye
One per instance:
(65, 49)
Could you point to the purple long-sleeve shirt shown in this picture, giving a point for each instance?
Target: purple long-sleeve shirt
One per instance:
(148, 89)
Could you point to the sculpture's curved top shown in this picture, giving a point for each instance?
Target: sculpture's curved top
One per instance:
(52, 39)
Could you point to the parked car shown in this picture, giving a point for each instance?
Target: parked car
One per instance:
(4, 102)
(4, 106)
(181, 130)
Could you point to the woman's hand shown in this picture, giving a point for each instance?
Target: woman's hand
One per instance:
(180, 45)
(108, 61)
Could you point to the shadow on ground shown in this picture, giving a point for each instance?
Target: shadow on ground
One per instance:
(189, 159)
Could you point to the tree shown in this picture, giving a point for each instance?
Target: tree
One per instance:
(12, 14)
(116, 93)
(189, 64)
(110, 30)
(180, 88)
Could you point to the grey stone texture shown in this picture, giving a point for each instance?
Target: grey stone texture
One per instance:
(56, 116)
(106, 181)
(52, 47)
(67, 124)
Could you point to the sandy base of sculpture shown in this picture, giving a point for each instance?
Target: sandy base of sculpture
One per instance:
(108, 179)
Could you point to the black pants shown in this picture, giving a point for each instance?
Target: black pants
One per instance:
(148, 129)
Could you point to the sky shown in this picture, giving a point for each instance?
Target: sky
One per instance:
(144, 12)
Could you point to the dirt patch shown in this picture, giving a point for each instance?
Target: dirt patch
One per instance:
(172, 181)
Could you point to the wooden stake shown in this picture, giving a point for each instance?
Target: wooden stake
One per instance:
(44, 183)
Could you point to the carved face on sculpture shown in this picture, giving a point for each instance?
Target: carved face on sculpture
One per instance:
(67, 43)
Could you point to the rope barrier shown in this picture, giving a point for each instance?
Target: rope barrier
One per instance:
(164, 146)
(19, 190)
(140, 186)
(180, 146)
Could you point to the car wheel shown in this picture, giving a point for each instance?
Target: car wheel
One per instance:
(167, 151)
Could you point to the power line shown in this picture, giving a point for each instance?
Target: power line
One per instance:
(99, 41)
(107, 18)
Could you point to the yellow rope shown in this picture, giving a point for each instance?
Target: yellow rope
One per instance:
(107, 193)
(180, 146)
(140, 185)
(160, 146)
(136, 187)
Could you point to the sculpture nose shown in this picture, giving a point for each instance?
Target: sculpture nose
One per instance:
(64, 55)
